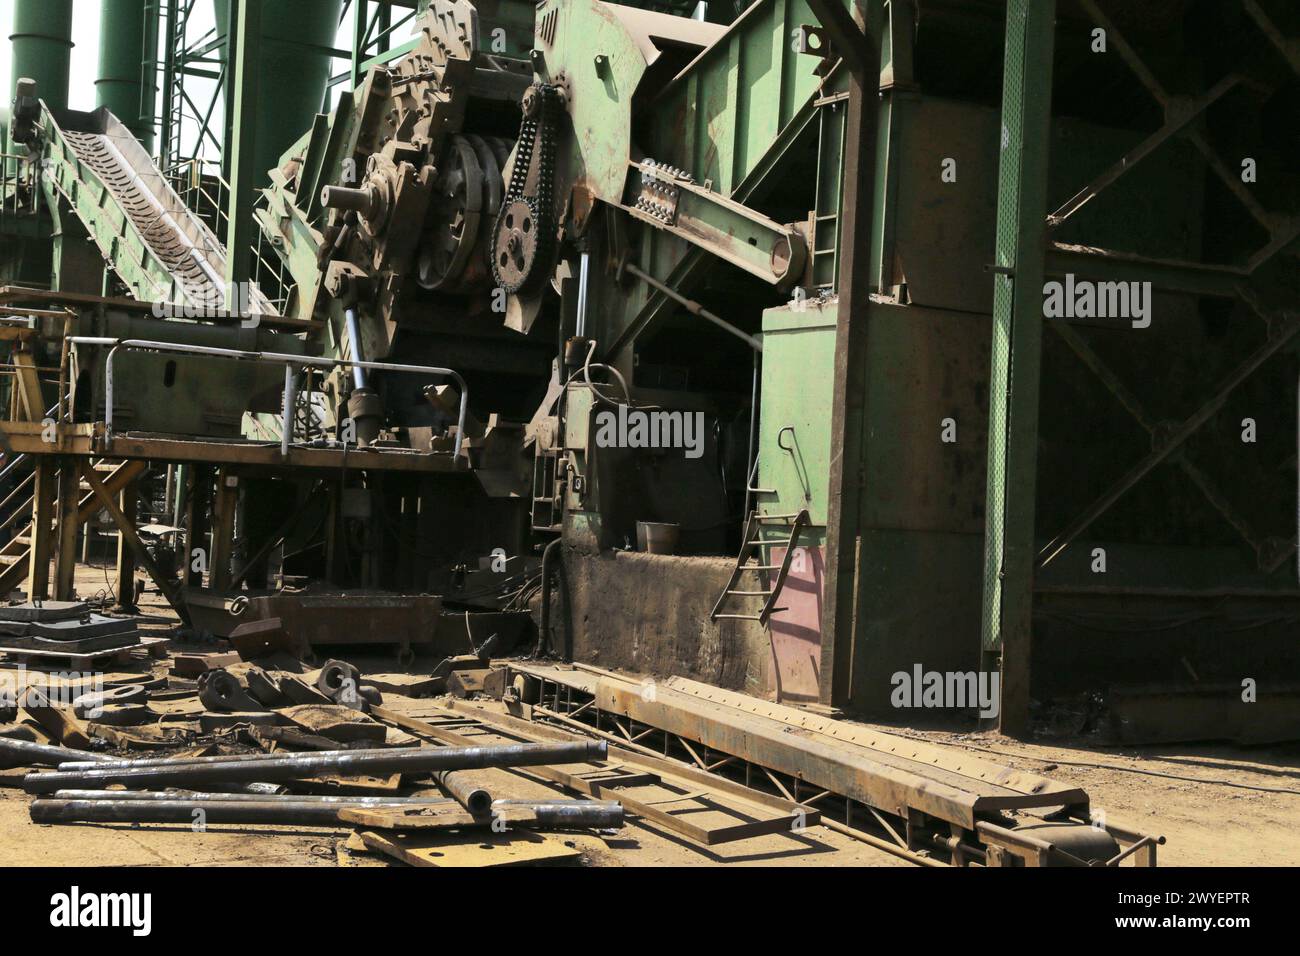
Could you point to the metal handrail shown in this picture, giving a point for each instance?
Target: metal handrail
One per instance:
(289, 361)
(17, 171)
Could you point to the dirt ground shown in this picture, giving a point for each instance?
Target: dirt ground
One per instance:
(1215, 804)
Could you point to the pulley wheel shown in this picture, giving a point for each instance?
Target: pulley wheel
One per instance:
(456, 212)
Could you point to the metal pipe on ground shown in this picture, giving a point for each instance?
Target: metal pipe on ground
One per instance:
(183, 811)
(348, 763)
(134, 763)
(23, 753)
(569, 814)
(193, 796)
(473, 791)
(561, 814)
(469, 790)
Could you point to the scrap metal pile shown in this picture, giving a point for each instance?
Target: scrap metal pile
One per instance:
(481, 752)
(218, 740)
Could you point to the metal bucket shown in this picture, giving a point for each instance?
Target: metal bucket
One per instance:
(657, 538)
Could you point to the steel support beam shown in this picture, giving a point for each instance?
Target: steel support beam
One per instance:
(198, 497)
(1176, 122)
(847, 36)
(359, 34)
(1213, 494)
(44, 494)
(1280, 229)
(67, 507)
(1172, 443)
(246, 36)
(1017, 352)
(173, 38)
(223, 531)
(129, 501)
(127, 529)
(1289, 47)
(848, 413)
(1165, 275)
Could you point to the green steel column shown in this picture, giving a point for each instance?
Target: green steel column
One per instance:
(1017, 345)
(172, 38)
(358, 40)
(42, 47)
(294, 70)
(128, 41)
(244, 79)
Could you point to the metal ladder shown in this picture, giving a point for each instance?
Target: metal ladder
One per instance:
(755, 545)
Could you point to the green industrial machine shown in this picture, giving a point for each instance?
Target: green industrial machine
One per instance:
(665, 235)
(815, 231)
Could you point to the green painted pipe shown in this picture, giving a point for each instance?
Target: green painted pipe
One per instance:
(294, 70)
(42, 47)
(128, 44)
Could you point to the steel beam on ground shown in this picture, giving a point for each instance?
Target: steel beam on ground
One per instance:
(894, 774)
(751, 812)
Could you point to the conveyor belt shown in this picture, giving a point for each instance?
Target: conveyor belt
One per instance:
(94, 149)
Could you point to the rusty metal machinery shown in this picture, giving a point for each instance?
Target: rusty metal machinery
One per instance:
(524, 241)
(450, 193)
(404, 179)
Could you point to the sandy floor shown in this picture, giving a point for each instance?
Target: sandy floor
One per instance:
(1211, 817)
